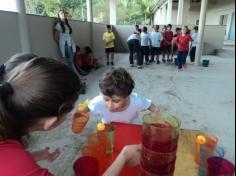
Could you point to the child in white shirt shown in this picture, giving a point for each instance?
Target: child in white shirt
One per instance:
(117, 101)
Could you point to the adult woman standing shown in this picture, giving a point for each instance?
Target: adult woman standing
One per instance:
(62, 36)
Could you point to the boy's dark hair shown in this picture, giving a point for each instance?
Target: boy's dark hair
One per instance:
(88, 50)
(177, 29)
(157, 27)
(117, 82)
(77, 49)
(140, 30)
(169, 25)
(195, 28)
(137, 26)
(145, 29)
(31, 90)
(108, 26)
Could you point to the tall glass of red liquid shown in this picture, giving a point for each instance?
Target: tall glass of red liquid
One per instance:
(159, 144)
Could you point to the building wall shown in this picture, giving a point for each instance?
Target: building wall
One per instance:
(41, 36)
(214, 37)
(9, 35)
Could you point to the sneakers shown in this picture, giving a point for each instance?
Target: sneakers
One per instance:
(131, 65)
(140, 67)
(163, 60)
(158, 62)
(179, 69)
(108, 63)
(112, 63)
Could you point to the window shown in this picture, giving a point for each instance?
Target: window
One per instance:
(224, 20)
(8, 5)
(75, 9)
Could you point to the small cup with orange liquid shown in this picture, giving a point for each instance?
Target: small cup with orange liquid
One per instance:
(80, 120)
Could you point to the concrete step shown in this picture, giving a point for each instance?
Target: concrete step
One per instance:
(226, 52)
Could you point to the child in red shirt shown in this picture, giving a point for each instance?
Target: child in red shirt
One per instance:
(167, 43)
(183, 41)
(174, 47)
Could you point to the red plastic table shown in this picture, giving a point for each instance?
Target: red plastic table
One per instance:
(125, 134)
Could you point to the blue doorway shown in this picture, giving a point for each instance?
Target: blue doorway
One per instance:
(232, 29)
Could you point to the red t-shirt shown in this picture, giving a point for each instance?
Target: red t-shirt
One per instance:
(183, 42)
(16, 161)
(168, 36)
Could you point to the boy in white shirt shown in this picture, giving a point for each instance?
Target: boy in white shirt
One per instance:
(117, 101)
(145, 40)
(156, 38)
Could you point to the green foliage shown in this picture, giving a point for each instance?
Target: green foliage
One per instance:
(128, 11)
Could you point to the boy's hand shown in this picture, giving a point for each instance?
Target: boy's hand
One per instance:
(154, 109)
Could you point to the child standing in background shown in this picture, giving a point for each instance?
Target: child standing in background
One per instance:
(174, 42)
(156, 39)
(168, 36)
(183, 41)
(145, 45)
(109, 39)
(194, 44)
(135, 48)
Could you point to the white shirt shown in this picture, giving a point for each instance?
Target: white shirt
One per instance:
(145, 39)
(64, 39)
(130, 115)
(195, 39)
(156, 38)
(134, 37)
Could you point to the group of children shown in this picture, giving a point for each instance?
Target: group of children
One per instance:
(142, 44)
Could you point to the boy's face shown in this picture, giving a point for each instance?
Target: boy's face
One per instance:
(116, 103)
(169, 29)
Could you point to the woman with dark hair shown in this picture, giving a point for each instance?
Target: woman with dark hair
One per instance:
(36, 94)
(62, 36)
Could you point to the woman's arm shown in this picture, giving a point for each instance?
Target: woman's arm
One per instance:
(130, 155)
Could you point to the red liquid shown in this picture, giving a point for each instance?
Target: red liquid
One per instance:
(160, 143)
(220, 167)
(86, 166)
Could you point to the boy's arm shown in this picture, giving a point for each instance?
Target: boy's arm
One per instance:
(153, 108)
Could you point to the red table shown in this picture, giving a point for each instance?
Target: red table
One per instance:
(126, 134)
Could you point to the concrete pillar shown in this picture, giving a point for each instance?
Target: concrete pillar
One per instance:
(169, 11)
(162, 16)
(113, 12)
(23, 26)
(89, 10)
(165, 14)
(159, 17)
(203, 13)
(180, 12)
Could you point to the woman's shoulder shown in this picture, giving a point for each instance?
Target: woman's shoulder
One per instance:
(14, 155)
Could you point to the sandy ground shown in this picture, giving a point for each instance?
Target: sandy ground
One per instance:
(203, 98)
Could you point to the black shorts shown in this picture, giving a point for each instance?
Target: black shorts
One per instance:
(155, 51)
(109, 50)
(166, 49)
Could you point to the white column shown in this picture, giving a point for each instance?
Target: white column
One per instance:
(180, 12)
(169, 11)
(113, 12)
(159, 17)
(23, 26)
(162, 16)
(203, 13)
(89, 10)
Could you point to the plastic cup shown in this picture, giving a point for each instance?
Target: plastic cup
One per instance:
(86, 166)
(220, 167)
(110, 132)
(79, 122)
(205, 148)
